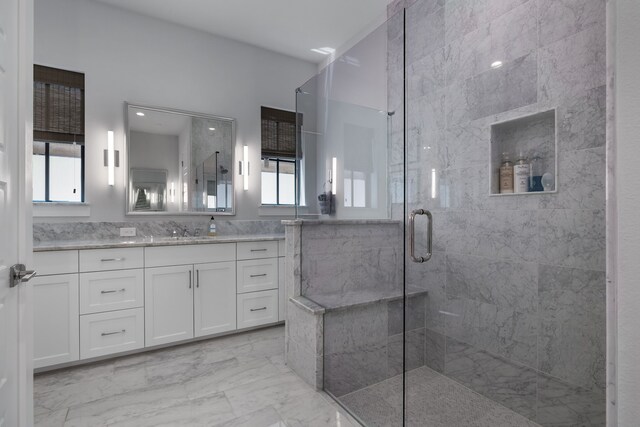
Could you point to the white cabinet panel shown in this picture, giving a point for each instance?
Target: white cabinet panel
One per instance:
(257, 308)
(257, 275)
(160, 256)
(168, 304)
(111, 290)
(112, 332)
(281, 248)
(111, 259)
(282, 294)
(55, 262)
(255, 250)
(214, 299)
(56, 323)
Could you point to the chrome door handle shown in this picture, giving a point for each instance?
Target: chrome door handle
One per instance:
(18, 273)
(197, 278)
(113, 291)
(258, 275)
(258, 309)
(189, 279)
(111, 259)
(412, 235)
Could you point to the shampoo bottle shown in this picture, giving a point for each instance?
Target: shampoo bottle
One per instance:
(521, 173)
(506, 174)
(212, 227)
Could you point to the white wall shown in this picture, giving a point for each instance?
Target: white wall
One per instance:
(130, 57)
(627, 170)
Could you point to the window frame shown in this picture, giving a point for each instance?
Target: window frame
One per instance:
(277, 172)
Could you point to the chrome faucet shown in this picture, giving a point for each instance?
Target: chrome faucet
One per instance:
(174, 234)
(185, 232)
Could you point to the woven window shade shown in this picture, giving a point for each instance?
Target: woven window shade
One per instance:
(58, 105)
(278, 133)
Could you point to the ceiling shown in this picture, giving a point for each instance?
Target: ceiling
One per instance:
(291, 27)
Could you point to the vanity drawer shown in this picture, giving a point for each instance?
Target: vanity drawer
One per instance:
(257, 275)
(111, 259)
(111, 290)
(257, 308)
(112, 332)
(189, 254)
(256, 250)
(55, 262)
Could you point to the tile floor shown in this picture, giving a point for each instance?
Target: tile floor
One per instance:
(432, 400)
(239, 380)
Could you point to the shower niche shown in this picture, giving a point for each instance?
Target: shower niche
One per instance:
(524, 155)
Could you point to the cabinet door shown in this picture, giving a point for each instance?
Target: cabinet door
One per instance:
(215, 298)
(168, 303)
(282, 294)
(56, 319)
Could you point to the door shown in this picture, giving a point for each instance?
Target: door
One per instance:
(214, 299)
(56, 322)
(168, 304)
(16, 62)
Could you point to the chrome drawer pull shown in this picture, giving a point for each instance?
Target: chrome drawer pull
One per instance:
(258, 309)
(104, 334)
(112, 259)
(258, 250)
(113, 291)
(258, 275)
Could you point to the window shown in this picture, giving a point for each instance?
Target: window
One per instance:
(278, 157)
(58, 135)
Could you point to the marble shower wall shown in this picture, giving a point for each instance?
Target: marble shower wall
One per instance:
(516, 303)
(158, 228)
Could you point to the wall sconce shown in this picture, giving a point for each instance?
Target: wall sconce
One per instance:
(243, 167)
(334, 168)
(111, 159)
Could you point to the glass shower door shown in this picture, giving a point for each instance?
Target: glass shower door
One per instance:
(350, 190)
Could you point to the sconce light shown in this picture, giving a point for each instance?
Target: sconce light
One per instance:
(334, 168)
(111, 159)
(243, 167)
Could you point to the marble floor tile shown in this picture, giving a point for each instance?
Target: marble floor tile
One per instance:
(266, 417)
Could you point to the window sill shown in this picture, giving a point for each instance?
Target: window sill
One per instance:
(276, 210)
(61, 209)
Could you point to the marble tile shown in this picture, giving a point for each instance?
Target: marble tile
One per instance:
(351, 370)
(561, 404)
(273, 392)
(580, 181)
(502, 330)
(570, 67)
(560, 19)
(494, 234)
(509, 384)
(572, 325)
(306, 329)
(260, 418)
(430, 275)
(436, 311)
(426, 76)
(581, 121)
(204, 411)
(118, 408)
(413, 355)
(51, 418)
(505, 284)
(511, 86)
(348, 330)
(434, 350)
(314, 411)
(461, 17)
(467, 144)
(425, 30)
(305, 363)
(572, 238)
(414, 314)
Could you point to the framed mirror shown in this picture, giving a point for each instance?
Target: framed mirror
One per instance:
(179, 162)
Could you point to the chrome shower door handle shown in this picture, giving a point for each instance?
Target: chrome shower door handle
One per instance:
(412, 235)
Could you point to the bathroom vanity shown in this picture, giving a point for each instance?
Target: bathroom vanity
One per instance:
(100, 299)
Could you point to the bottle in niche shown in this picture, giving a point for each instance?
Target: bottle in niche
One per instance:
(521, 173)
(506, 174)
(535, 181)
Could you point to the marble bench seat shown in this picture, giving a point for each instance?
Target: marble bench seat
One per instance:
(353, 299)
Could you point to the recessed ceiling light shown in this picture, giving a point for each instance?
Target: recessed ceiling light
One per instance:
(496, 64)
(140, 113)
(324, 50)
(212, 128)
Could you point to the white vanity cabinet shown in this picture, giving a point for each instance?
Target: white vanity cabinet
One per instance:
(55, 308)
(93, 303)
(168, 303)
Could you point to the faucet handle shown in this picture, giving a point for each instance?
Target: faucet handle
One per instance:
(174, 234)
(196, 232)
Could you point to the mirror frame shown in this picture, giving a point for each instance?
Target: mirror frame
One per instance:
(127, 138)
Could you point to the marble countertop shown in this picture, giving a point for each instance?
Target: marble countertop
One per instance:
(132, 242)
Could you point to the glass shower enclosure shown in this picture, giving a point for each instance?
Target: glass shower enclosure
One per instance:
(443, 301)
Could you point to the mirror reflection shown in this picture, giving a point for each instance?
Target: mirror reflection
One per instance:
(179, 162)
